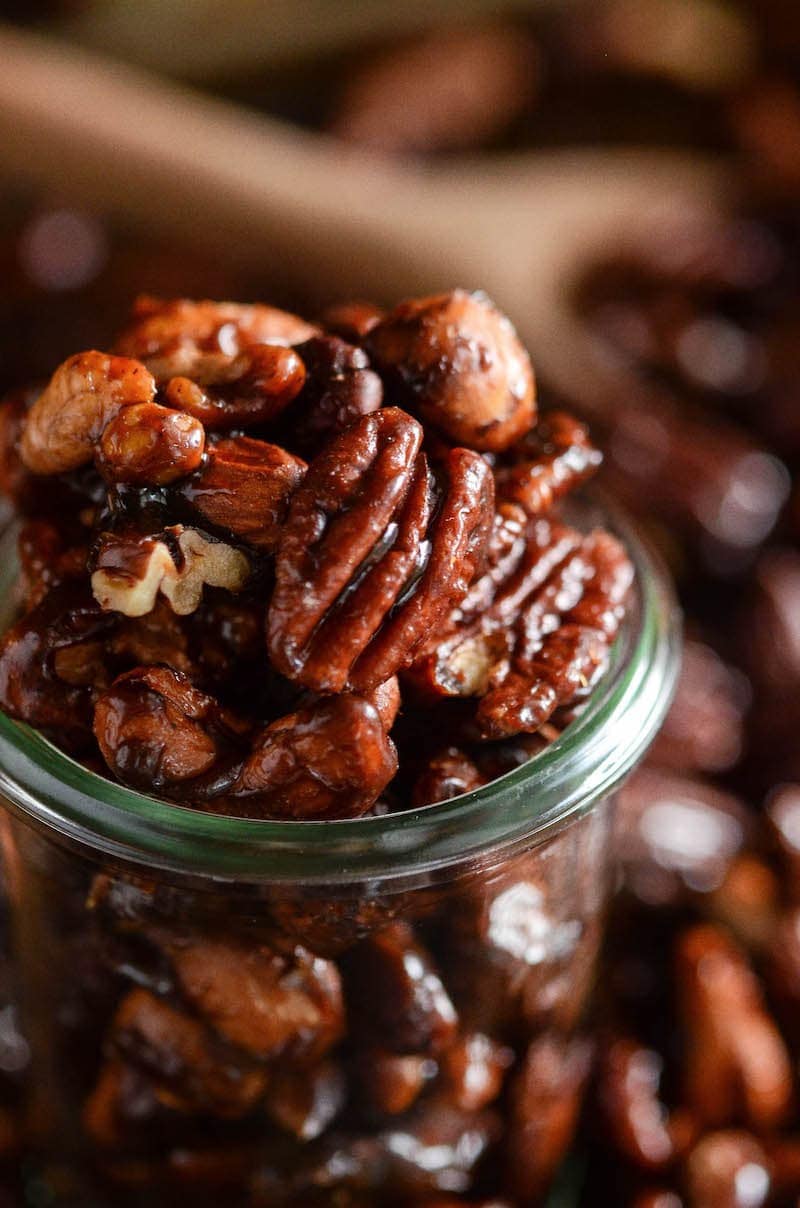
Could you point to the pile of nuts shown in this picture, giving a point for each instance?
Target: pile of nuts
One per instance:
(253, 546)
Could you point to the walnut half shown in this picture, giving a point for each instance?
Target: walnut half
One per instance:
(132, 570)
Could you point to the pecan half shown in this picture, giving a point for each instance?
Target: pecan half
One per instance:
(554, 459)
(331, 760)
(178, 336)
(252, 388)
(364, 568)
(351, 320)
(84, 394)
(456, 360)
(130, 571)
(244, 487)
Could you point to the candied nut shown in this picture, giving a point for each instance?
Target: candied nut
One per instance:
(562, 641)
(265, 1004)
(736, 1057)
(545, 1100)
(156, 731)
(473, 1069)
(389, 1083)
(447, 774)
(305, 1102)
(677, 834)
(386, 700)
(66, 628)
(178, 336)
(556, 458)
(130, 571)
(190, 1068)
(635, 1117)
(703, 729)
(244, 487)
(340, 387)
(396, 994)
(157, 637)
(146, 444)
(747, 902)
(84, 394)
(47, 559)
(351, 320)
(364, 570)
(727, 1170)
(330, 760)
(253, 388)
(122, 1103)
(457, 360)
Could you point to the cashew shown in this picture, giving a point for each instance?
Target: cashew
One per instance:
(83, 395)
(131, 573)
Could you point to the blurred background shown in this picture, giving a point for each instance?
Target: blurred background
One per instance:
(624, 177)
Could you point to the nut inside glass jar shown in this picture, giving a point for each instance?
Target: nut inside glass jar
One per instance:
(389, 1010)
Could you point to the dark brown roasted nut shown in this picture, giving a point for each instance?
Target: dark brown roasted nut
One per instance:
(131, 570)
(66, 629)
(359, 537)
(704, 728)
(122, 1106)
(253, 388)
(305, 1102)
(447, 774)
(47, 558)
(156, 731)
(179, 336)
(555, 458)
(677, 835)
(396, 994)
(727, 1170)
(556, 664)
(634, 1115)
(389, 1083)
(331, 760)
(545, 1099)
(244, 487)
(473, 1070)
(340, 387)
(266, 1005)
(737, 1062)
(84, 394)
(149, 445)
(351, 320)
(191, 1070)
(457, 361)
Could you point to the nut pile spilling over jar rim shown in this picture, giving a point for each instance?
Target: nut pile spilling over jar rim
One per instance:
(253, 547)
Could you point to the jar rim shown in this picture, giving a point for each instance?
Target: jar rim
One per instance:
(584, 764)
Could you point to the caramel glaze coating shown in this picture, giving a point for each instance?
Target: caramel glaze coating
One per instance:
(354, 547)
(244, 488)
(156, 731)
(456, 361)
(351, 320)
(253, 388)
(149, 445)
(332, 760)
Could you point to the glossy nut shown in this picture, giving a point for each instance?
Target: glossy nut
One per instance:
(244, 487)
(331, 760)
(84, 394)
(156, 731)
(253, 388)
(456, 361)
(177, 336)
(148, 445)
(360, 537)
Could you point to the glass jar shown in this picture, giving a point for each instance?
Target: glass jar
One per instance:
(387, 1011)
